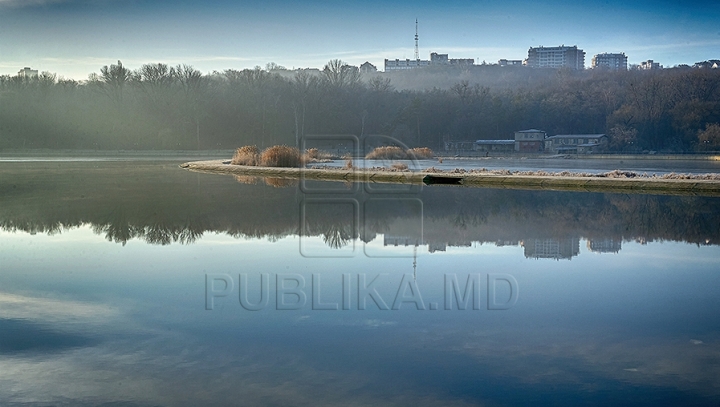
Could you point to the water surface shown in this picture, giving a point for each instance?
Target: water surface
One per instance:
(105, 266)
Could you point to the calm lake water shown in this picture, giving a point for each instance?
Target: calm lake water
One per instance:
(142, 284)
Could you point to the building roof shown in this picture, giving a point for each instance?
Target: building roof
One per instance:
(576, 136)
(530, 131)
(495, 142)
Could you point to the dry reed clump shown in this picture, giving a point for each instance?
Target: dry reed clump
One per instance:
(399, 166)
(397, 153)
(387, 153)
(618, 174)
(247, 155)
(280, 156)
(348, 164)
(421, 153)
(314, 155)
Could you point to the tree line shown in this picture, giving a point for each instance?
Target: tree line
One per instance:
(178, 107)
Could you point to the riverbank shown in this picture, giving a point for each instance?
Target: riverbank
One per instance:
(566, 181)
(629, 157)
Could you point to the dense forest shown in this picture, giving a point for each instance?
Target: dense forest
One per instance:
(162, 107)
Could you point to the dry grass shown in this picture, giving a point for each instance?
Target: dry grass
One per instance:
(387, 153)
(247, 155)
(281, 156)
(314, 155)
(399, 166)
(348, 164)
(421, 153)
(397, 153)
(609, 174)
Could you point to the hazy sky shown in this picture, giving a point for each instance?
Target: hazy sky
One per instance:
(76, 37)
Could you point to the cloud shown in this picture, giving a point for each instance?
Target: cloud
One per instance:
(28, 3)
(673, 46)
(50, 310)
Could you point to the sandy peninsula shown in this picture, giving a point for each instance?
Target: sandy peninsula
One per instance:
(614, 181)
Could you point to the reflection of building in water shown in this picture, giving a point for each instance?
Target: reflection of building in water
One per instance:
(551, 248)
(404, 241)
(604, 245)
(389, 240)
(438, 245)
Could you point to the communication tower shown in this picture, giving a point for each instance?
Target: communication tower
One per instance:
(417, 51)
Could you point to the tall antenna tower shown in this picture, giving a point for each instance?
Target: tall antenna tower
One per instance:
(417, 51)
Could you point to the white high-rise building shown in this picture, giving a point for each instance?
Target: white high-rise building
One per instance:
(28, 73)
(649, 65)
(613, 62)
(556, 57)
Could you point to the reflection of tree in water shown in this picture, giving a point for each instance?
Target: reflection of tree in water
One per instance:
(153, 234)
(338, 235)
(166, 205)
(162, 232)
(34, 227)
(115, 232)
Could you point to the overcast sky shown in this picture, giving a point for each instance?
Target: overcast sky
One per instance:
(76, 37)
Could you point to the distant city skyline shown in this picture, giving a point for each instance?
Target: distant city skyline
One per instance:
(74, 38)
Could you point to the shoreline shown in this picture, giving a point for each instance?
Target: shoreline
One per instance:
(629, 157)
(640, 185)
(45, 152)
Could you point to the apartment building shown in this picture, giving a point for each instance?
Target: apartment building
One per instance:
(556, 57)
(611, 61)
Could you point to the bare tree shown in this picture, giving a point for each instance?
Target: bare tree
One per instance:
(155, 77)
(341, 75)
(303, 85)
(194, 88)
(114, 79)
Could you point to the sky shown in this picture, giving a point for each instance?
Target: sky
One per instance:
(74, 38)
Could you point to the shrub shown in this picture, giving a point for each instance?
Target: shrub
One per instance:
(312, 153)
(420, 153)
(280, 156)
(387, 153)
(248, 155)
